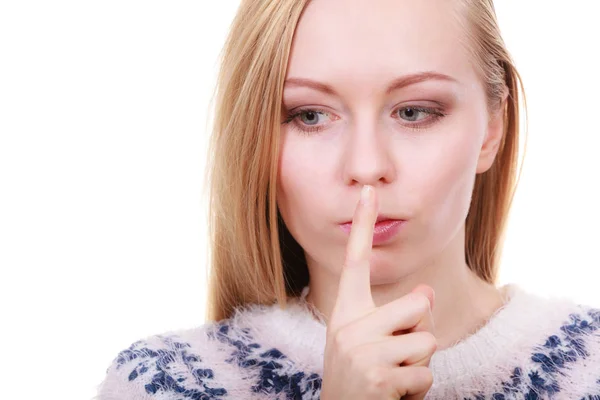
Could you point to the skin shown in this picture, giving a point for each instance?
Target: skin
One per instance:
(367, 136)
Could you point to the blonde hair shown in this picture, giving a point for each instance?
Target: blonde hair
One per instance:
(253, 257)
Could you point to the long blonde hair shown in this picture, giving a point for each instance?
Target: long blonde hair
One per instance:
(253, 257)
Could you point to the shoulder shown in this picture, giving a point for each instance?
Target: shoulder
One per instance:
(165, 365)
(567, 359)
(534, 347)
(574, 350)
(233, 358)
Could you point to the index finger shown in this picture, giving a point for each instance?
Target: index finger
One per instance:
(354, 289)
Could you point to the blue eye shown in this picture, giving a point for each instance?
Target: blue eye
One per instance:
(309, 117)
(309, 120)
(411, 113)
(417, 117)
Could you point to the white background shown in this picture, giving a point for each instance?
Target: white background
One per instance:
(103, 111)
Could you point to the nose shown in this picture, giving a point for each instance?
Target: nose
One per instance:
(368, 158)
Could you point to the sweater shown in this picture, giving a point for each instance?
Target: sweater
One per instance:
(532, 347)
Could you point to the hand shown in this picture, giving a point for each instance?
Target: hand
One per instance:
(374, 352)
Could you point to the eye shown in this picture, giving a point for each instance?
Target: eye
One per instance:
(311, 117)
(417, 117)
(411, 113)
(309, 120)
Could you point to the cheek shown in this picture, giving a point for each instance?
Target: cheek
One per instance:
(300, 180)
(446, 182)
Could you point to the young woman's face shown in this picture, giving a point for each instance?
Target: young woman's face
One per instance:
(358, 112)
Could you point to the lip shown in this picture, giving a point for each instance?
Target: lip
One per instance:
(383, 231)
(380, 217)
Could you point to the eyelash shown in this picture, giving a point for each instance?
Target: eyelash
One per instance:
(292, 116)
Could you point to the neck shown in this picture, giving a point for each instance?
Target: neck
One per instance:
(463, 301)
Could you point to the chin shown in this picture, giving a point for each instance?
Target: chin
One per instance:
(387, 269)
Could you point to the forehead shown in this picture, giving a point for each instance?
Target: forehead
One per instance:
(374, 40)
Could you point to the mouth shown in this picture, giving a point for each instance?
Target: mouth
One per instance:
(380, 218)
(384, 230)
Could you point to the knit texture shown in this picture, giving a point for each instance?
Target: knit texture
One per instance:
(532, 348)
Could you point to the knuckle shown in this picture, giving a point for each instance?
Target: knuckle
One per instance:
(421, 302)
(429, 340)
(359, 358)
(341, 341)
(376, 380)
(420, 377)
(427, 376)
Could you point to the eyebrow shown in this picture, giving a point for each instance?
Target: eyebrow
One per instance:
(396, 84)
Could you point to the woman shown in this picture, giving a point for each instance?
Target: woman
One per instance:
(416, 105)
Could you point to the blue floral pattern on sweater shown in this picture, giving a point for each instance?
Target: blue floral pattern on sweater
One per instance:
(272, 378)
(550, 360)
(173, 370)
(158, 363)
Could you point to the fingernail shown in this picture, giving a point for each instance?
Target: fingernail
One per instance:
(366, 195)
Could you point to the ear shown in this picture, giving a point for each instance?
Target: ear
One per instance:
(492, 140)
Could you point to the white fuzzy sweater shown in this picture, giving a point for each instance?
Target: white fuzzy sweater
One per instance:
(532, 348)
